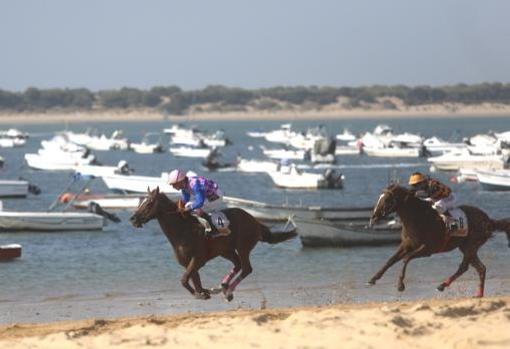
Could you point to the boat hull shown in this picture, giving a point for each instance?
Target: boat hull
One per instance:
(317, 233)
(280, 213)
(50, 221)
(8, 252)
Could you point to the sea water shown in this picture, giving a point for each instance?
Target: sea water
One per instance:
(127, 271)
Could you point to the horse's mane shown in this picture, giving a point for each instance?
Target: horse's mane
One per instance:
(407, 196)
(166, 200)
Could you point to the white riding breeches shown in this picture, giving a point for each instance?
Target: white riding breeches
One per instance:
(445, 204)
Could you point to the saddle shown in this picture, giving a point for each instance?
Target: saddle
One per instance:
(214, 224)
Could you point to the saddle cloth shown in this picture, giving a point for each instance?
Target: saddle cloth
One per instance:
(220, 220)
(459, 220)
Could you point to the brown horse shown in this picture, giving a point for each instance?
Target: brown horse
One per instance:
(193, 249)
(424, 234)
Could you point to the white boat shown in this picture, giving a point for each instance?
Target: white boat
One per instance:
(396, 152)
(50, 221)
(494, 180)
(6, 142)
(106, 201)
(138, 184)
(187, 137)
(280, 213)
(282, 135)
(436, 146)
(280, 154)
(60, 142)
(12, 188)
(322, 233)
(345, 136)
(466, 175)
(99, 171)
(253, 166)
(347, 150)
(64, 156)
(256, 134)
(146, 148)
(217, 139)
(13, 133)
(190, 152)
(50, 163)
(292, 178)
(115, 142)
(174, 129)
(454, 160)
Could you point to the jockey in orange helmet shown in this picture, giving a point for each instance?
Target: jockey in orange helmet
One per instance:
(433, 190)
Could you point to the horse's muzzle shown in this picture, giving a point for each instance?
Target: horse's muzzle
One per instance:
(135, 221)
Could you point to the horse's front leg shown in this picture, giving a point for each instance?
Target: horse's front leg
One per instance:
(407, 258)
(201, 293)
(393, 259)
(190, 269)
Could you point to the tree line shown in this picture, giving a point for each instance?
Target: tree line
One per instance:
(174, 100)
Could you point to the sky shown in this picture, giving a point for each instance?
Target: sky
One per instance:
(109, 44)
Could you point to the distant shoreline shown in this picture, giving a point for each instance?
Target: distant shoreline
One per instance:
(425, 111)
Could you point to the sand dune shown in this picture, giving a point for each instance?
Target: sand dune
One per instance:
(466, 323)
(332, 112)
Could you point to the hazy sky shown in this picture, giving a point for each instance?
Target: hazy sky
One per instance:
(101, 44)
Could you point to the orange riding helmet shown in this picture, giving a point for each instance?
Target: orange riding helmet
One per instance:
(416, 178)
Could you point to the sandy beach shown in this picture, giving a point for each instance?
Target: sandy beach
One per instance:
(461, 323)
(331, 112)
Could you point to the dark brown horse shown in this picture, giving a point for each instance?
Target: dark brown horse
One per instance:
(424, 234)
(193, 249)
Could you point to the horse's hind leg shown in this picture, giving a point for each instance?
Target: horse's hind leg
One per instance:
(246, 269)
(393, 259)
(234, 258)
(481, 269)
(463, 267)
(407, 258)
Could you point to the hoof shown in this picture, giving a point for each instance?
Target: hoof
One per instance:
(401, 288)
(229, 297)
(202, 295)
(215, 290)
(371, 283)
(441, 287)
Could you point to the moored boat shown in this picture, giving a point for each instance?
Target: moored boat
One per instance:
(49, 221)
(13, 188)
(8, 252)
(137, 184)
(322, 233)
(272, 212)
(497, 180)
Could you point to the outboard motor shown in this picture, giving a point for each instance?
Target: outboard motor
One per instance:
(32, 188)
(94, 207)
(334, 179)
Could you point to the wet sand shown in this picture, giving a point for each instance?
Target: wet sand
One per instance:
(460, 323)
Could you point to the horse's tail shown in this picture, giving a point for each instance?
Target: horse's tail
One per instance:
(275, 237)
(502, 225)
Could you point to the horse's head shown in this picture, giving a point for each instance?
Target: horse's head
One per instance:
(388, 203)
(147, 210)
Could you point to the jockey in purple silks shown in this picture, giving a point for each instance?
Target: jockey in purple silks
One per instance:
(207, 198)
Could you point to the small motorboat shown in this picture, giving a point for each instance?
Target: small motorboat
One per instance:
(9, 252)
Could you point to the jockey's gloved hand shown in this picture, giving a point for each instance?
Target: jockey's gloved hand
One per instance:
(187, 206)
